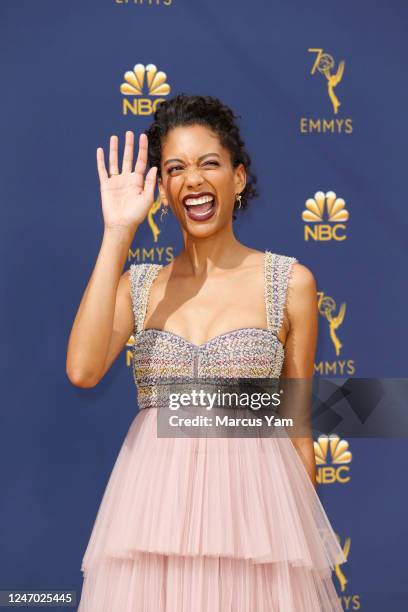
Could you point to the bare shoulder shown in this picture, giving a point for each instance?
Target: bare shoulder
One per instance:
(301, 296)
(301, 280)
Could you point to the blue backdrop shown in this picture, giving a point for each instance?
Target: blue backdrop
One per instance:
(321, 88)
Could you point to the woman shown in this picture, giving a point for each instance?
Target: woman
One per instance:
(199, 524)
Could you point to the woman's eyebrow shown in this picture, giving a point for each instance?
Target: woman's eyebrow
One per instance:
(175, 159)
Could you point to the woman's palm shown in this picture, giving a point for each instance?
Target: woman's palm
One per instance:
(126, 196)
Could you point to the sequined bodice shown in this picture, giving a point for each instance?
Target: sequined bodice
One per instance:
(246, 352)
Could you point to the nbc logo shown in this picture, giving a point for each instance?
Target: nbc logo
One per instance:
(325, 207)
(336, 451)
(134, 85)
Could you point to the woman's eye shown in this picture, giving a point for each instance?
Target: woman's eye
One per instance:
(214, 163)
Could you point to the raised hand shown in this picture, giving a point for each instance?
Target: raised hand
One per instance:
(126, 196)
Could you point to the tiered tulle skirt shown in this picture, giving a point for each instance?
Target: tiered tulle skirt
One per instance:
(209, 525)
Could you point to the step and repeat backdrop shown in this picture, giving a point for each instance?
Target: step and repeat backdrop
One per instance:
(321, 92)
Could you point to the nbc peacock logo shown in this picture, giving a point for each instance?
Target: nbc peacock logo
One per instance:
(140, 82)
(333, 459)
(325, 216)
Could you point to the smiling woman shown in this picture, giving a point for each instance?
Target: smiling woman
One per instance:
(203, 524)
(212, 147)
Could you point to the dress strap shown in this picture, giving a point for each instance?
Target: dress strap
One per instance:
(278, 269)
(141, 279)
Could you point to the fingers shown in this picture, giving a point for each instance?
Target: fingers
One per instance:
(127, 162)
(128, 153)
(150, 183)
(100, 162)
(141, 161)
(113, 155)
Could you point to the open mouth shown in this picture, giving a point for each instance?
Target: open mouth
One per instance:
(200, 209)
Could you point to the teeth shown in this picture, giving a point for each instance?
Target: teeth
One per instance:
(197, 201)
(197, 214)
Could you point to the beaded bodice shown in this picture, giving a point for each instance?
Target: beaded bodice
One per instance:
(246, 352)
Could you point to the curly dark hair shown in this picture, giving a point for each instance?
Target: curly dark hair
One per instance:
(182, 110)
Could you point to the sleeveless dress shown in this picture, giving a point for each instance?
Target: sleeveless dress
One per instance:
(208, 524)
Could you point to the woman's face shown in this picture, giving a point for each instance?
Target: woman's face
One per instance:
(193, 162)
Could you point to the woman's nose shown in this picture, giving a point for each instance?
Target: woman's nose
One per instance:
(193, 177)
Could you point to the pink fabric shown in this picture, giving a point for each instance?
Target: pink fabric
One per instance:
(220, 524)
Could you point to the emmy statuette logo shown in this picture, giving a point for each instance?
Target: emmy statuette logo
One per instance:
(325, 65)
(155, 253)
(155, 229)
(334, 318)
(348, 600)
(327, 308)
(339, 568)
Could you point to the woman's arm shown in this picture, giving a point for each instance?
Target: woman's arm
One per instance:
(104, 321)
(300, 347)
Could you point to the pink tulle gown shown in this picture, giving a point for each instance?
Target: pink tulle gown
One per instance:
(208, 524)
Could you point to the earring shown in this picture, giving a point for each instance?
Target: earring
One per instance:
(163, 212)
(238, 198)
